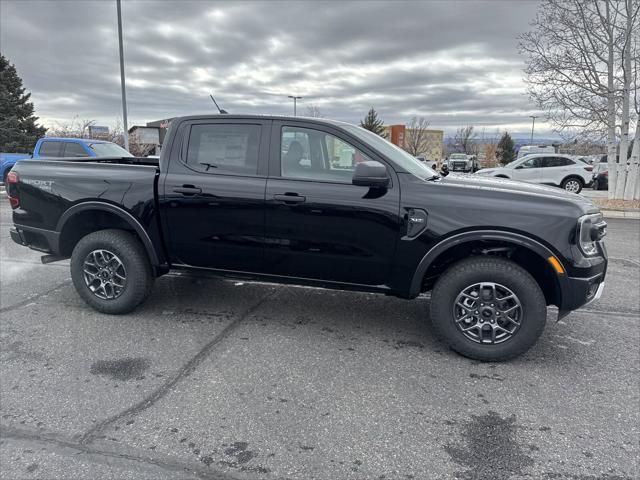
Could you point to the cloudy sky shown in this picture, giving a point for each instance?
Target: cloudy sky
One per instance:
(454, 62)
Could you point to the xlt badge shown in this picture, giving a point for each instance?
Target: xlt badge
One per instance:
(416, 223)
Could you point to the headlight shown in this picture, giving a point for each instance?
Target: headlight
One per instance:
(591, 229)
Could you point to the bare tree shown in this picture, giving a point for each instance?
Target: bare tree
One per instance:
(465, 137)
(628, 53)
(76, 128)
(575, 65)
(416, 138)
(632, 186)
(313, 110)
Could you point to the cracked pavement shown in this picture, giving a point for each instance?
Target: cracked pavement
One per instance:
(218, 379)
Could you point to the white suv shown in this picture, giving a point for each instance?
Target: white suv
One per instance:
(559, 170)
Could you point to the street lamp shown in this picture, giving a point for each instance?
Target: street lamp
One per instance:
(124, 91)
(532, 126)
(295, 99)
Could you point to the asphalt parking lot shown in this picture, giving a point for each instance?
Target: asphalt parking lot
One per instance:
(221, 379)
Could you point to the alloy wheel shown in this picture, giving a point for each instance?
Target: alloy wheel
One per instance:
(572, 186)
(104, 274)
(487, 313)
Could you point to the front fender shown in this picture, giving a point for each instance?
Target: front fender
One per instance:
(522, 240)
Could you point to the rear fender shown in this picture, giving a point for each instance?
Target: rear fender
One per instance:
(120, 212)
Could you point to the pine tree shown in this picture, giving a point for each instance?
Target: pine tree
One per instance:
(506, 153)
(373, 123)
(18, 129)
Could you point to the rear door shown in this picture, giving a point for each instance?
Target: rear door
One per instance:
(213, 200)
(557, 168)
(318, 224)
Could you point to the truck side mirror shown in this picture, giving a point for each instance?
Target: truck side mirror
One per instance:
(370, 174)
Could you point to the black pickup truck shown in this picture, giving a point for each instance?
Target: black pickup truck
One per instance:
(320, 203)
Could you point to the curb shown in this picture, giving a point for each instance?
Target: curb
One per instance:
(614, 209)
(620, 213)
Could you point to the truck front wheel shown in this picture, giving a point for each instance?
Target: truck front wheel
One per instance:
(488, 308)
(111, 271)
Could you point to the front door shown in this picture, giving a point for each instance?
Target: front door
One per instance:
(319, 225)
(213, 201)
(529, 171)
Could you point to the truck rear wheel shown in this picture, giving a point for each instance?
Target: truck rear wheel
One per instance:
(111, 271)
(488, 308)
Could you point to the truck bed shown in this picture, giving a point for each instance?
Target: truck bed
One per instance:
(52, 186)
(112, 160)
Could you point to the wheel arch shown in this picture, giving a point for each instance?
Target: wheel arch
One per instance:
(573, 175)
(518, 246)
(86, 217)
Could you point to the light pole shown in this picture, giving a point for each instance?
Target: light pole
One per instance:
(124, 90)
(295, 100)
(532, 126)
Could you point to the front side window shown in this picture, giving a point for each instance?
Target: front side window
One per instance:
(315, 155)
(230, 149)
(50, 149)
(73, 149)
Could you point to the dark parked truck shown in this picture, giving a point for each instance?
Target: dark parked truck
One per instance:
(320, 203)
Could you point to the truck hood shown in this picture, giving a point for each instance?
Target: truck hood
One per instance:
(496, 184)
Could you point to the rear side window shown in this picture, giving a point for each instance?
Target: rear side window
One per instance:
(230, 149)
(73, 149)
(50, 149)
(558, 162)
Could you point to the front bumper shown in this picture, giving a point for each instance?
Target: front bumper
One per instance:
(578, 292)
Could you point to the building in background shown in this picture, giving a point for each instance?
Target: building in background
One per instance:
(98, 131)
(433, 144)
(149, 139)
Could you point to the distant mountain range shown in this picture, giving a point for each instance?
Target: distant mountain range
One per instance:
(518, 139)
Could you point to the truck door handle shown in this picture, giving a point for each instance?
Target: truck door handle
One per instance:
(289, 198)
(188, 190)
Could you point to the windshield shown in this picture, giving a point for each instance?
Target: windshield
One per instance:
(106, 149)
(458, 156)
(394, 153)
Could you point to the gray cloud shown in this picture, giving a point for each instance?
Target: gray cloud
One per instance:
(454, 62)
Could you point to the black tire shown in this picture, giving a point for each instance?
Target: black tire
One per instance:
(596, 184)
(133, 257)
(570, 181)
(488, 269)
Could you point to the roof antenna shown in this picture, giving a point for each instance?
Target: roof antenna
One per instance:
(216, 104)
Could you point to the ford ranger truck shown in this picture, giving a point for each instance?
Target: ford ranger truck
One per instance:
(322, 203)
